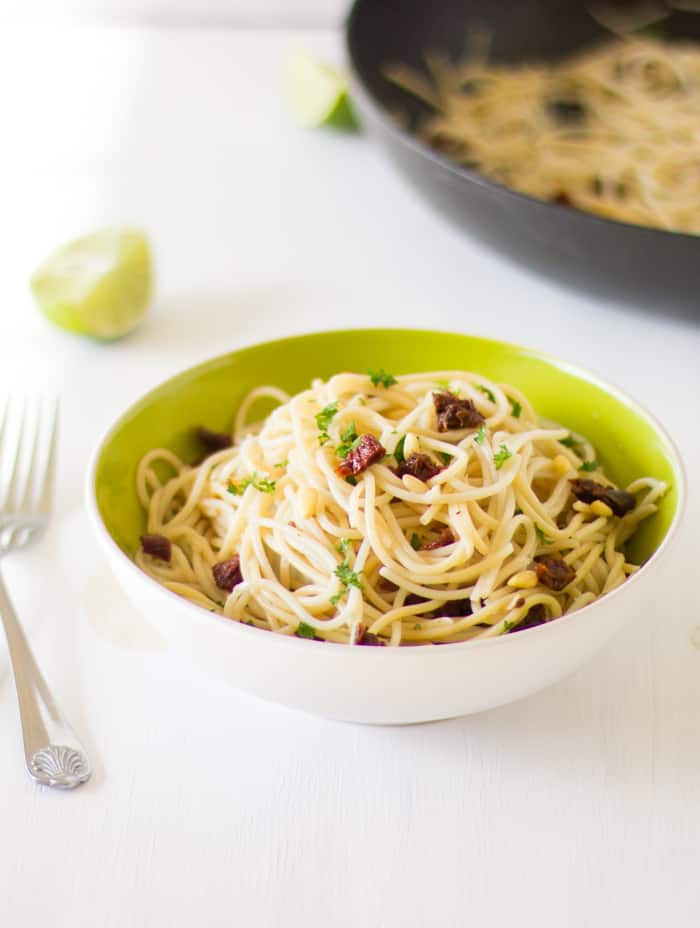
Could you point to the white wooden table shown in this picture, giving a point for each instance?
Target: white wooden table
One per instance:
(577, 807)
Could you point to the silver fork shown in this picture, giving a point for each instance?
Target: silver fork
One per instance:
(53, 754)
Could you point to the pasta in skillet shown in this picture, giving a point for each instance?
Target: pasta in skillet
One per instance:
(613, 130)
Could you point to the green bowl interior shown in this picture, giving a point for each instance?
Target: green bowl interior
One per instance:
(628, 444)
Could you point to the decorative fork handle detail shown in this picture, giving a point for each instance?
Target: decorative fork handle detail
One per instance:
(53, 754)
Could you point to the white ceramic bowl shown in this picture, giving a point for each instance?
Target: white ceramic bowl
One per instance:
(372, 685)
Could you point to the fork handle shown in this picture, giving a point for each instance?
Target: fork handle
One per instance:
(53, 754)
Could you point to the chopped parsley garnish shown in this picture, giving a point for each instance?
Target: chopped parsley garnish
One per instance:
(417, 627)
(349, 441)
(569, 442)
(589, 466)
(445, 457)
(501, 456)
(381, 378)
(325, 417)
(541, 537)
(305, 631)
(518, 511)
(323, 420)
(516, 409)
(488, 392)
(416, 543)
(282, 463)
(480, 435)
(263, 484)
(344, 546)
(345, 574)
(398, 450)
(507, 625)
(351, 480)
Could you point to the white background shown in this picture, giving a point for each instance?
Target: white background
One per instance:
(577, 807)
(287, 13)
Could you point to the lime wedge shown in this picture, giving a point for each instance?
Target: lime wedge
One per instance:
(98, 285)
(317, 94)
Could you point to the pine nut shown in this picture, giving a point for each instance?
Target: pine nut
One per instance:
(524, 580)
(413, 484)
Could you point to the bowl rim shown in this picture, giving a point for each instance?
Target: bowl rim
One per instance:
(113, 549)
(361, 89)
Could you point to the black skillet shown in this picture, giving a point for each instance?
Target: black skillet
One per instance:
(645, 266)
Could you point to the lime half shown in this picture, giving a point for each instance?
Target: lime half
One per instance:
(98, 285)
(317, 93)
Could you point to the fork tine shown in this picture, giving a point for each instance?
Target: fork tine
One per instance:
(14, 454)
(29, 490)
(49, 468)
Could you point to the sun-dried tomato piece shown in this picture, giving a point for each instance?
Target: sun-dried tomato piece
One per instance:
(368, 451)
(536, 616)
(362, 636)
(227, 574)
(418, 465)
(588, 491)
(455, 413)
(554, 572)
(212, 441)
(157, 546)
(444, 538)
(455, 609)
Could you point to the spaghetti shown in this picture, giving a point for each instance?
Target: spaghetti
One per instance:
(613, 130)
(430, 507)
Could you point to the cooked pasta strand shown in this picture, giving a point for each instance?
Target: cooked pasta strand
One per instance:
(272, 533)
